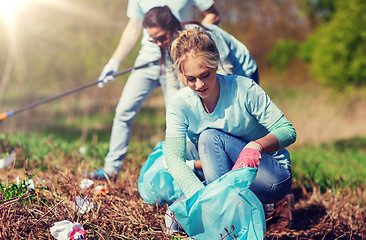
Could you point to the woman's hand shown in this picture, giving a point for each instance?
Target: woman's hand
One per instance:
(250, 156)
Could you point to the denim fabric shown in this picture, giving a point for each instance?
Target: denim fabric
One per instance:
(138, 87)
(218, 152)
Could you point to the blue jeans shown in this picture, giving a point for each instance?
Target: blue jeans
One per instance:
(140, 84)
(218, 152)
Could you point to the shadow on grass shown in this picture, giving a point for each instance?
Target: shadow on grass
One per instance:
(320, 217)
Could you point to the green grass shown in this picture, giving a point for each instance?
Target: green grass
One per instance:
(338, 164)
(62, 137)
(332, 165)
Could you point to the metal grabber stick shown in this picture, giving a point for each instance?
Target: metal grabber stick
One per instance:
(32, 105)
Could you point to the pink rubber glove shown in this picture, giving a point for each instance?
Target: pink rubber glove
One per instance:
(250, 156)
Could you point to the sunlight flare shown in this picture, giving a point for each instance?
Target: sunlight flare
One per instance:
(9, 7)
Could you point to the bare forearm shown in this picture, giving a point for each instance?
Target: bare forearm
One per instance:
(269, 143)
(211, 16)
(128, 39)
(281, 135)
(211, 19)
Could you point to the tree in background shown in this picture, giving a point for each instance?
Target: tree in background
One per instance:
(336, 49)
(318, 10)
(260, 24)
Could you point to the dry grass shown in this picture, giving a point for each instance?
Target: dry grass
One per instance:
(122, 214)
(317, 114)
(325, 216)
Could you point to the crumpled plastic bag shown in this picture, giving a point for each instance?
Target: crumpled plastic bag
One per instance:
(4, 162)
(83, 205)
(155, 183)
(66, 230)
(224, 209)
(86, 183)
(101, 190)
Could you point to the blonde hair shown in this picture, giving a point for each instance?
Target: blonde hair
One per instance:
(195, 43)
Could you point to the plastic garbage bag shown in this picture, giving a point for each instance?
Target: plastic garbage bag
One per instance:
(224, 209)
(66, 230)
(155, 183)
(171, 223)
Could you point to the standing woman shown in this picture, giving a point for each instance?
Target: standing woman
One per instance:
(230, 119)
(141, 82)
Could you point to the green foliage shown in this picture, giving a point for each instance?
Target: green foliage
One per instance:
(283, 53)
(338, 46)
(339, 164)
(319, 9)
(307, 48)
(12, 190)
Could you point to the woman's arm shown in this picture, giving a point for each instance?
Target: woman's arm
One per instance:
(211, 16)
(175, 158)
(282, 134)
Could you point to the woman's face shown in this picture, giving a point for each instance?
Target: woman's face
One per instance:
(159, 36)
(200, 78)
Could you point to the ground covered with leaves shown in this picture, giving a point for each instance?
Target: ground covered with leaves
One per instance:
(120, 213)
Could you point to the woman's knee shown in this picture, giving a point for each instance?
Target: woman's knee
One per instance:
(271, 192)
(272, 182)
(208, 137)
(281, 189)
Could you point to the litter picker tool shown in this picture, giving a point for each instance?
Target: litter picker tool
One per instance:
(35, 104)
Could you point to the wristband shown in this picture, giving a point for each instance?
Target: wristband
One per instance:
(255, 145)
(259, 144)
(191, 164)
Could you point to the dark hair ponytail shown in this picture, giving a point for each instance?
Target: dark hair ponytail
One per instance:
(162, 17)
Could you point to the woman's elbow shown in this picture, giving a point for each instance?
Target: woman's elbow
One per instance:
(293, 135)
